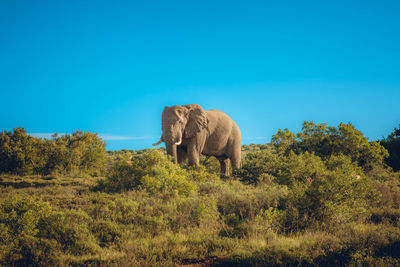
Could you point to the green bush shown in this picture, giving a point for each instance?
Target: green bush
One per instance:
(107, 232)
(386, 215)
(269, 218)
(71, 228)
(27, 250)
(21, 223)
(32, 233)
(257, 164)
(239, 204)
(304, 168)
(327, 194)
(122, 176)
(195, 211)
(201, 174)
(22, 217)
(369, 239)
(392, 144)
(320, 192)
(120, 209)
(151, 171)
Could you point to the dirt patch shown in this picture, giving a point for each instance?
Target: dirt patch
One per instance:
(207, 261)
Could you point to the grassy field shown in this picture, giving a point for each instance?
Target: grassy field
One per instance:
(322, 197)
(197, 220)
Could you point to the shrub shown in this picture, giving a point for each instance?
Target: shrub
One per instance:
(107, 232)
(121, 177)
(201, 174)
(259, 163)
(304, 168)
(151, 171)
(389, 194)
(269, 218)
(320, 192)
(392, 144)
(386, 215)
(196, 211)
(120, 209)
(71, 228)
(239, 204)
(368, 239)
(22, 216)
(325, 194)
(27, 250)
(22, 221)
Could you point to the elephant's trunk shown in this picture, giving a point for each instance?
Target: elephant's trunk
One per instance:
(171, 150)
(174, 153)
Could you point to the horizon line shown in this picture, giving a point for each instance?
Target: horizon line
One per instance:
(111, 137)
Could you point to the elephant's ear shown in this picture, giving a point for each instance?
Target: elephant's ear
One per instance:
(197, 120)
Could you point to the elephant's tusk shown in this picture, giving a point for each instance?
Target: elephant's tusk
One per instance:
(178, 143)
(159, 142)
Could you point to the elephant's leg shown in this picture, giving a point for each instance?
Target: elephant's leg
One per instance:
(193, 155)
(236, 161)
(194, 159)
(194, 149)
(235, 154)
(224, 166)
(182, 154)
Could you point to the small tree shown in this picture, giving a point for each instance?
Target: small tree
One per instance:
(392, 144)
(325, 141)
(20, 153)
(82, 152)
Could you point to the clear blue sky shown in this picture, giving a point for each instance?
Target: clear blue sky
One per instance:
(111, 66)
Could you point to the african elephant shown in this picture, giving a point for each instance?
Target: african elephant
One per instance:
(189, 131)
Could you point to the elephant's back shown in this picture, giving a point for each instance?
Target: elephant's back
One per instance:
(221, 122)
(221, 117)
(215, 113)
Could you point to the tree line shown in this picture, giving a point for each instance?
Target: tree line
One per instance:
(85, 152)
(76, 153)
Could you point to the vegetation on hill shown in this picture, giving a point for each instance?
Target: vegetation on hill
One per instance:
(324, 196)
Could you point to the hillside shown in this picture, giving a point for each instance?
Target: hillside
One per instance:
(324, 196)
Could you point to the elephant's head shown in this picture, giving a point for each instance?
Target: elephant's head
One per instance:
(180, 123)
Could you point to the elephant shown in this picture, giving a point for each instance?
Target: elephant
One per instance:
(189, 131)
